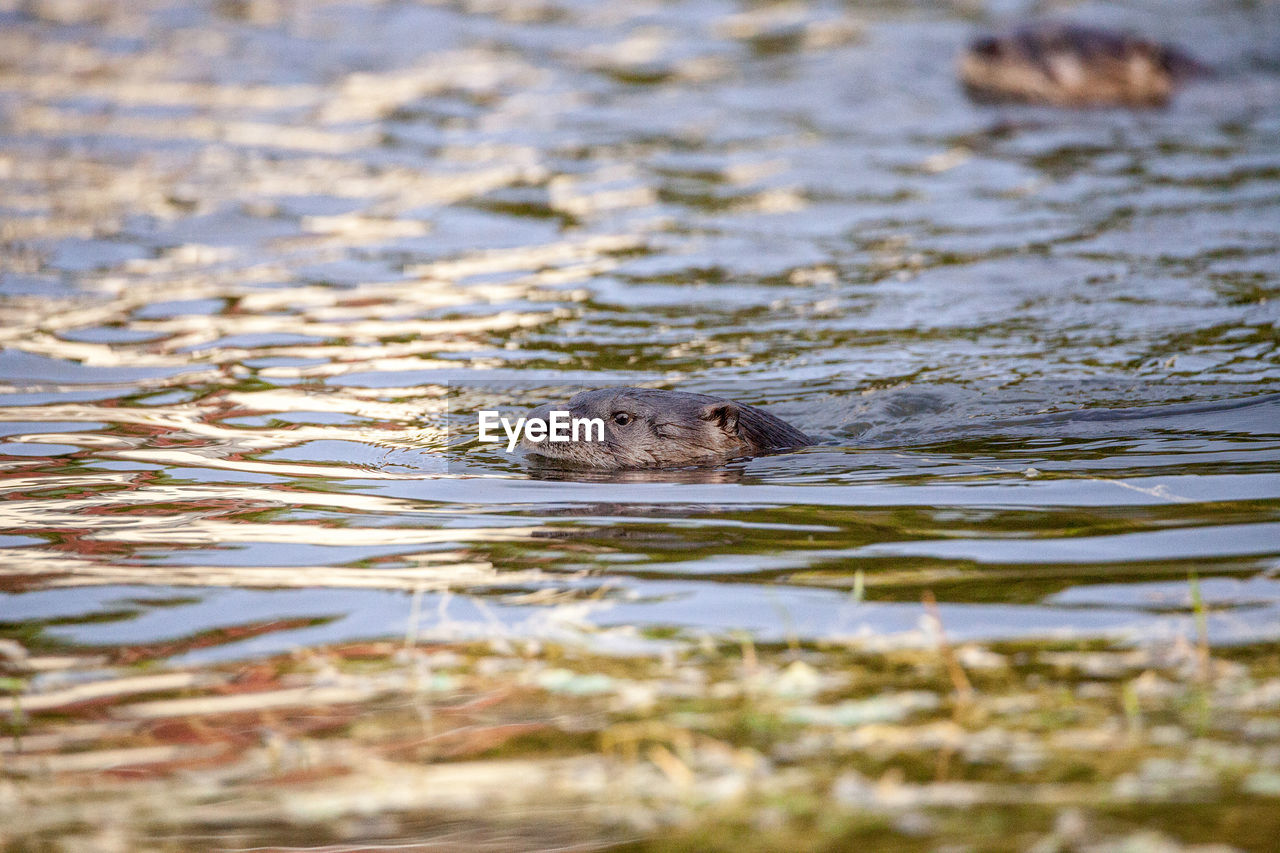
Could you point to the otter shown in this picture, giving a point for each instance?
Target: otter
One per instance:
(648, 428)
(1068, 65)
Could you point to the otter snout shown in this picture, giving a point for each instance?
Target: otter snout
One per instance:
(541, 413)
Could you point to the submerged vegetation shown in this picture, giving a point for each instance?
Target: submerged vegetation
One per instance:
(1045, 746)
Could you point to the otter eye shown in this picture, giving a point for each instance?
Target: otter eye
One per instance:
(621, 418)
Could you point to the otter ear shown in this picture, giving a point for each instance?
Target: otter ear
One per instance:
(723, 415)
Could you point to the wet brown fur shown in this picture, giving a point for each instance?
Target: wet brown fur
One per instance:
(665, 429)
(1074, 66)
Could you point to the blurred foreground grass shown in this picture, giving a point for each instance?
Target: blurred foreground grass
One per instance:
(499, 746)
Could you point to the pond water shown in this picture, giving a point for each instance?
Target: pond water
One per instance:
(261, 260)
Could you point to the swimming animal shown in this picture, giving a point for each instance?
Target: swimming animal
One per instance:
(1069, 65)
(649, 428)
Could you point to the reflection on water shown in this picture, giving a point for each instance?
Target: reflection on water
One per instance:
(248, 249)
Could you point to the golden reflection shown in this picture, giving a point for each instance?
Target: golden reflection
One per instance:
(195, 422)
(193, 530)
(436, 571)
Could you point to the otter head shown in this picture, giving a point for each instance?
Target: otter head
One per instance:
(647, 428)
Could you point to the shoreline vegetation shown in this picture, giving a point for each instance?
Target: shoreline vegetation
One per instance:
(711, 744)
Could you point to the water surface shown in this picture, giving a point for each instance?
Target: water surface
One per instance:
(247, 249)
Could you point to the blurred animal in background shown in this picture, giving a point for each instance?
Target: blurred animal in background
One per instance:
(1069, 65)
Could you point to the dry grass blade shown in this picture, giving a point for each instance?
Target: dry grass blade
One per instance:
(960, 681)
(116, 687)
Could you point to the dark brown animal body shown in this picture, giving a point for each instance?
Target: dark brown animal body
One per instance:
(648, 428)
(1068, 65)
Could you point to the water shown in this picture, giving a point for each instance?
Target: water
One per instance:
(247, 249)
